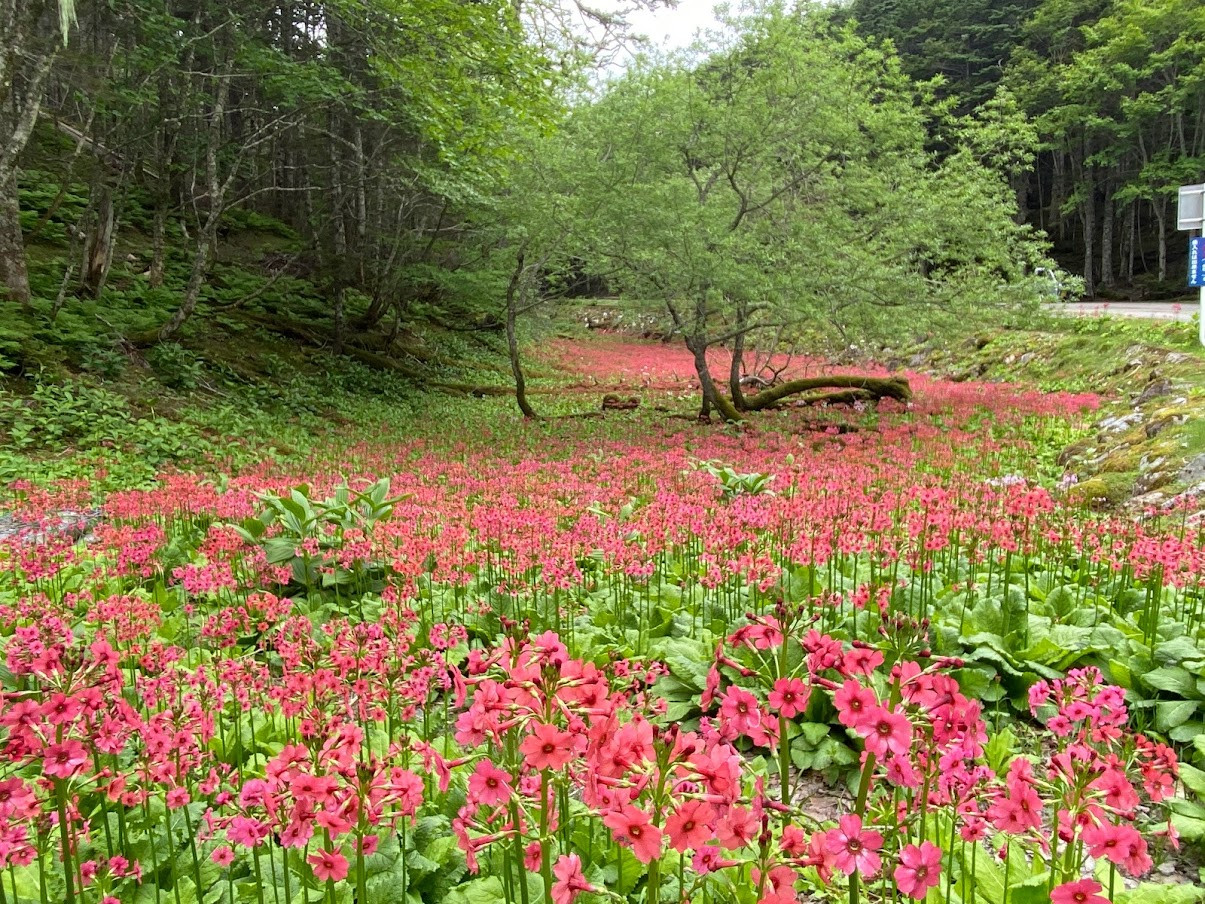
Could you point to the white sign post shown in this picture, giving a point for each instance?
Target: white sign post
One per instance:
(1190, 216)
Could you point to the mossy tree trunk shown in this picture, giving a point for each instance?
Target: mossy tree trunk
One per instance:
(514, 289)
(857, 388)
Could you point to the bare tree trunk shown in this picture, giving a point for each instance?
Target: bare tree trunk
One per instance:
(513, 291)
(1021, 192)
(158, 244)
(1129, 239)
(736, 368)
(1088, 217)
(711, 395)
(1058, 191)
(1160, 207)
(338, 265)
(340, 321)
(99, 244)
(1106, 239)
(866, 387)
(215, 194)
(20, 103)
(14, 278)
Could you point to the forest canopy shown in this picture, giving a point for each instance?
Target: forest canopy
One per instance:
(807, 173)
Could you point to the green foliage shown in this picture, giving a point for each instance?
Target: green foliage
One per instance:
(786, 181)
(290, 521)
(733, 484)
(959, 43)
(175, 366)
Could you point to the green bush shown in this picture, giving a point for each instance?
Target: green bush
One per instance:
(175, 366)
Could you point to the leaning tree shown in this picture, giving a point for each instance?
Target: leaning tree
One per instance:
(778, 176)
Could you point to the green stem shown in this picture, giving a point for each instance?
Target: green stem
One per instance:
(545, 846)
(60, 793)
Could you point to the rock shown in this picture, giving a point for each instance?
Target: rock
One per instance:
(1166, 868)
(1151, 500)
(71, 524)
(1153, 390)
(1194, 471)
(1104, 491)
(1121, 422)
(1151, 481)
(1026, 358)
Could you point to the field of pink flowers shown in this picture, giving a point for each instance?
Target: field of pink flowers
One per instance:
(615, 659)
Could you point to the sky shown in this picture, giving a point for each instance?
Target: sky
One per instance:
(675, 27)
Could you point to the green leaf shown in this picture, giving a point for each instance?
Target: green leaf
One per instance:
(1160, 893)
(1179, 649)
(1000, 749)
(1174, 679)
(1173, 714)
(486, 890)
(1193, 778)
(1188, 818)
(1187, 733)
(688, 660)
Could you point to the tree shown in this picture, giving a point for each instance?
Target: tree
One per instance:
(781, 178)
(964, 43)
(30, 34)
(1116, 91)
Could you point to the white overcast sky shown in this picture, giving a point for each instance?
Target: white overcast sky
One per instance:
(675, 27)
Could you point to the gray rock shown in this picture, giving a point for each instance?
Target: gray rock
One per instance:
(1153, 390)
(1121, 422)
(1194, 471)
(72, 524)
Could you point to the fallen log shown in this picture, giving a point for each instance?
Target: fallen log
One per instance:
(613, 402)
(854, 388)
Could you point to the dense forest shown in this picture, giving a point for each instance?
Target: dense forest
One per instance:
(1114, 91)
(349, 172)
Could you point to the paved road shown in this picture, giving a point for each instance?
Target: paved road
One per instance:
(1153, 310)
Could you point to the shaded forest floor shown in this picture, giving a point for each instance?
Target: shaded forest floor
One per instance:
(252, 378)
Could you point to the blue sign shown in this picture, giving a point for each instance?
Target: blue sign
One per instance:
(1196, 262)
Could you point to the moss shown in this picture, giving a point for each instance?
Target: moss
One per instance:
(1104, 491)
(1123, 460)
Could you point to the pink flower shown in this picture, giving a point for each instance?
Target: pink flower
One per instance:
(739, 710)
(1017, 813)
(853, 848)
(222, 856)
(919, 869)
(547, 747)
(708, 859)
(737, 828)
(489, 785)
(570, 880)
(854, 704)
(633, 825)
(1119, 844)
(789, 697)
(329, 865)
(690, 825)
(886, 732)
(1085, 891)
(65, 760)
